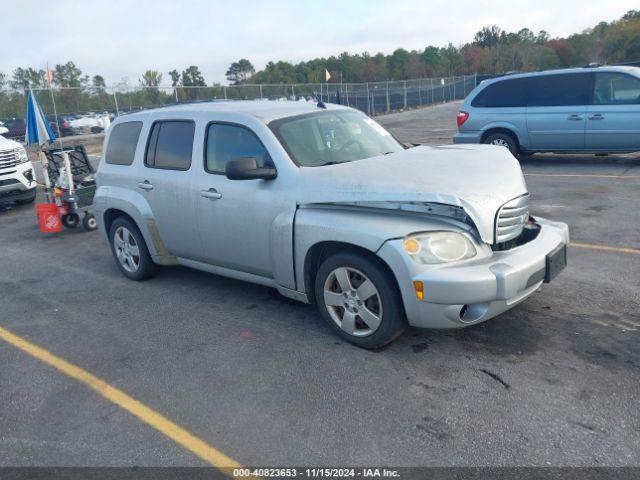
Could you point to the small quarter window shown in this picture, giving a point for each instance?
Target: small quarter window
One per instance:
(504, 93)
(123, 141)
(170, 145)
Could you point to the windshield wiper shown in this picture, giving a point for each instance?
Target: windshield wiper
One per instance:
(328, 163)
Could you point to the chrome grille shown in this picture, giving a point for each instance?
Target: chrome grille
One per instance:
(8, 158)
(511, 218)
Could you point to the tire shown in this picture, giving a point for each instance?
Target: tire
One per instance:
(71, 220)
(130, 250)
(503, 140)
(375, 317)
(27, 201)
(89, 222)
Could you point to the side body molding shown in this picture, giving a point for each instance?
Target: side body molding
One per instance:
(136, 206)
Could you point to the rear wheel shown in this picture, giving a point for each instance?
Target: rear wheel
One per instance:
(503, 140)
(360, 300)
(130, 250)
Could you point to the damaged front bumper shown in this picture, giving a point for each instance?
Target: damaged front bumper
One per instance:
(469, 292)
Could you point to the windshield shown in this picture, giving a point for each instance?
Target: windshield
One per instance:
(330, 137)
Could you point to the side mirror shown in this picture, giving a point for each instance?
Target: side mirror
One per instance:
(246, 168)
(3, 129)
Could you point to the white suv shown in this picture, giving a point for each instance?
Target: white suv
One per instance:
(17, 177)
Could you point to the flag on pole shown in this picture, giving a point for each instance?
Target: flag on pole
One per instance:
(39, 132)
(327, 75)
(48, 75)
(38, 129)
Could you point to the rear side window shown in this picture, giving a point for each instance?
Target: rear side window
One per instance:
(122, 143)
(566, 89)
(616, 89)
(505, 93)
(227, 142)
(170, 145)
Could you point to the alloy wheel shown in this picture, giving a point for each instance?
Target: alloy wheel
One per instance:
(500, 142)
(353, 301)
(127, 250)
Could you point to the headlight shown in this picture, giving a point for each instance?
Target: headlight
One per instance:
(21, 155)
(438, 247)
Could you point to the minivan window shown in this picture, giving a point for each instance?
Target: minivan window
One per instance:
(227, 142)
(170, 145)
(504, 93)
(559, 90)
(612, 88)
(123, 141)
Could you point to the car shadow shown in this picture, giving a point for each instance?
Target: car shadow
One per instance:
(514, 333)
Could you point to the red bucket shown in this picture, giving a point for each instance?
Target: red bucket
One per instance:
(48, 218)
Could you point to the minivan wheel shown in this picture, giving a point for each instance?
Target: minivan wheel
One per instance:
(130, 251)
(360, 300)
(503, 140)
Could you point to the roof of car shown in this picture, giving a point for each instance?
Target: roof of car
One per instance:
(602, 68)
(265, 110)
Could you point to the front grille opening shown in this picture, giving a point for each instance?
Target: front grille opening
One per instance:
(529, 232)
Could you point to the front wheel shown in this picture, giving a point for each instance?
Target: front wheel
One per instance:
(359, 299)
(503, 140)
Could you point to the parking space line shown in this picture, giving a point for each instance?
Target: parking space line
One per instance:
(621, 326)
(588, 175)
(605, 248)
(629, 323)
(147, 415)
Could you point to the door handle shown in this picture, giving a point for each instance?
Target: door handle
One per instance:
(574, 117)
(211, 194)
(145, 185)
(596, 116)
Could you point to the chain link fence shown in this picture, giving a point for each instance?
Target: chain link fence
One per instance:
(373, 98)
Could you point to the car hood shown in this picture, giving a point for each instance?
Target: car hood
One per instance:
(478, 178)
(6, 144)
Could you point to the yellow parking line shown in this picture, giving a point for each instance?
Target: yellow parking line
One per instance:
(147, 415)
(606, 248)
(591, 175)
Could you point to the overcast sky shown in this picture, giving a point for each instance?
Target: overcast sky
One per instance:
(119, 38)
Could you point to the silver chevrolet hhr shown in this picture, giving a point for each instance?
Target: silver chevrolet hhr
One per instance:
(323, 204)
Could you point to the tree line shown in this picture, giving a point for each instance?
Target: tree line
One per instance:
(492, 51)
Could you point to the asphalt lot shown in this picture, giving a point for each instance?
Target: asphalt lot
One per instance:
(555, 381)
